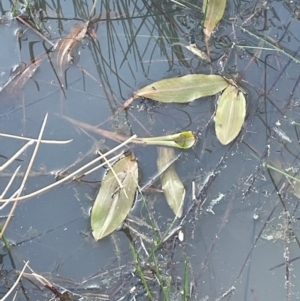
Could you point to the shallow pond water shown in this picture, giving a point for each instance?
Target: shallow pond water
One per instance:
(241, 219)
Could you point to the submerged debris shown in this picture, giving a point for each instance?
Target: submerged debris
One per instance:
(11, 91)
(282, 134)
(65, 49)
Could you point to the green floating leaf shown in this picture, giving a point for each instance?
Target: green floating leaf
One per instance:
(113, 202)
(230, 114)
(171, 184)
(183, 140)
(183, 89)
(214, 11)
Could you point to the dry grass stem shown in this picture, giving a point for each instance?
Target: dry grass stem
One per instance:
(38, 277)
(176, 2)
(72, 175)
(113, 159)
(15, 296)
(171, 233)
(33, 29)
(9, 183)
(31, 139)
(144, 247)
(158, 174)
(112, 170)
(34, 152)
(93, 8)
(25, 176)
(16, 155)
(10, 199)
(139, 234)
(16, 282)
(138, 221)
(93, 150)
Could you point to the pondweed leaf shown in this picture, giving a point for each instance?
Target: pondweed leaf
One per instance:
(66, 47)
(183, 89)
(182, 140)
(170, 182)
(214, 11)
(115, 197)
(230, 114)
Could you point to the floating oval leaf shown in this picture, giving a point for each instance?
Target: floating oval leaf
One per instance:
(230, 114)
(183, 89)
(213, 10)
(170, 182)
(113, 202)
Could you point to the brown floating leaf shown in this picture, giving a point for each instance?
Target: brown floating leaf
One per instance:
(183, 89)
(213, 10)
(171, 184)
(11, 91)
(113, 202)
(66, 47)
(230, 114)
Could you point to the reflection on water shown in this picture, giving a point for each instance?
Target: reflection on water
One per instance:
(241, 246)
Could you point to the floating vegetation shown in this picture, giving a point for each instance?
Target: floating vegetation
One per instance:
(115, 197)
(230, 114)
(183, 89)
(191, 202)
(171, 184)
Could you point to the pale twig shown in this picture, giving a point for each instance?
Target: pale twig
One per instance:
(93, 150)
(101, 165)
(112, 170)
(144, 247)
(158, 174)
(34, 152)
(31, 139)
(181, 4)
(10, 199)
(25, 176)
(16, 155)
(139, 234)
(16, 282)
(15, 296)
(70, 176)
(38, 277)
(171, 233)
(35, 30)
(93, 8)
(9, 183)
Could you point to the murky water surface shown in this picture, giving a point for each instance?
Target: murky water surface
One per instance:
(240, 233)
